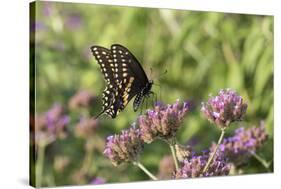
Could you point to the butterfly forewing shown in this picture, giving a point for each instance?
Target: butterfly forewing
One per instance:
(104, 59)
(130, 73)
(134, 67)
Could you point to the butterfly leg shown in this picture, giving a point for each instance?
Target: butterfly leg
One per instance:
(142, 104)
(141, 109)
(154, 98)
(146, 101)
(160, 92)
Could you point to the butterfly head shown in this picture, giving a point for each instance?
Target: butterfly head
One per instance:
(147, 89)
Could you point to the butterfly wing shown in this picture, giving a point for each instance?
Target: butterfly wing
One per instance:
(130, 73)
(105, 60)
(124, 75)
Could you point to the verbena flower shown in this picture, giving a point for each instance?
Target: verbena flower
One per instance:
(98, 180)
(239, 147)
(124, 147)
(225, 108)
(161, 122)
(73, 21)
(194, 166)
(51, 125)
(86, 127)
(37, 26)
(183, 152)
(166, 167)
(82, 98)
(48, 9)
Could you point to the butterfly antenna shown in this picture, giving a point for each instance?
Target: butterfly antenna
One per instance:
(158, 85)
(162, 74)
(151, 72)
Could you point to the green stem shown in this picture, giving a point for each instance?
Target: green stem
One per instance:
(145, 170)
(87, 161)
(262, 161)
(40, 165)
(215, 151)
(172, 147)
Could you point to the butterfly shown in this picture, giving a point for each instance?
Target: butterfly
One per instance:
(125, 78)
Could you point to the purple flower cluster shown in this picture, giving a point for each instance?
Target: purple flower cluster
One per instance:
(98, 180)
(86, 127)
(73, 21)
(82, 98)
(183, 152)
(225, 108)
(194, 166)
(239, 147)
(124, 147)
(166, 167)
(48, 9)
(51, 125)
(161, 122)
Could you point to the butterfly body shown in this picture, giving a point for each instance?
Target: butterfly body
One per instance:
(124, 76)
(145, 93)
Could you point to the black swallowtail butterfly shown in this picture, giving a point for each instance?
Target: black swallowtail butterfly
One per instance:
(124, 76)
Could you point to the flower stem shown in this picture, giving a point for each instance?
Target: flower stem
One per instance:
(262, 161)
(87, 161)
(215, 151)
(172, 147)
(40, 165)
(145, 170)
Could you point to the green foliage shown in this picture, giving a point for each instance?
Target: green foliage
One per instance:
(202, 52)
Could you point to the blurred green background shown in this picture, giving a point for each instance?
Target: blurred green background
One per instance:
(202, 51)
